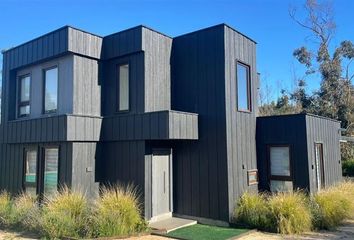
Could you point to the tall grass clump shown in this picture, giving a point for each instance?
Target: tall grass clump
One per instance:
(117, 212)
(65, 215)
(5, 209)
(333, 205)
(291, 213)
(25, 212)
(253, 211)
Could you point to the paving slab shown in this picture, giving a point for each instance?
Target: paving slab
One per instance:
(170, 224)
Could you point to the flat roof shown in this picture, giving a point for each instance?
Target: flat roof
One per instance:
(299, 114)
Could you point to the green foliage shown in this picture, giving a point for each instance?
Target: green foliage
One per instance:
(253, 211)
(291, 213)
(65, 215)
(5, 208)
(348, 168)
(25, 212)
(332, 206)
(117, 212)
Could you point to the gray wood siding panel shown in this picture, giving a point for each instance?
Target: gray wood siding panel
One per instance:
(197, 71)
(327, 132)
(240, 126)
(157, 56)
(84, 43)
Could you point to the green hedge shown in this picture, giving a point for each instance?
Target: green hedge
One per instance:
(348, 168)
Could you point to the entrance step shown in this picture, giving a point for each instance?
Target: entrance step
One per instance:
(170, 224)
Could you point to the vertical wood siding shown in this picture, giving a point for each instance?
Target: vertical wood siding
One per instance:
(327, 132)
(200, 168)
(240, 126)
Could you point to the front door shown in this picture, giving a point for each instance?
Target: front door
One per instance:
(319, 168)
(161, 184)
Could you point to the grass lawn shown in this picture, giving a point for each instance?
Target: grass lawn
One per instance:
(206, 232)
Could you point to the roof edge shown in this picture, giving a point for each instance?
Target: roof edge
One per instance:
(300, 114)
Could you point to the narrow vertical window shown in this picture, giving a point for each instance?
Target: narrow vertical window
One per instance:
(243, 87)
(51, 163)
(24, 96)
(50, 90)
(123, 87)
(30, 182)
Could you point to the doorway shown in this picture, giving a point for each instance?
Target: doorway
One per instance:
(161, 184)
(319, 166)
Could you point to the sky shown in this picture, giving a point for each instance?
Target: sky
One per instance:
(265, 21)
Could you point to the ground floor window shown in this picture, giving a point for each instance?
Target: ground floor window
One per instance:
(41, 171)
(279, 162)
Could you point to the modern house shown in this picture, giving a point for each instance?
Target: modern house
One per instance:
(174, 116)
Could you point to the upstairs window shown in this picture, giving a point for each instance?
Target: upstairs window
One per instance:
(24, 96)
(50, 90)
(123, 87)
(243, 87)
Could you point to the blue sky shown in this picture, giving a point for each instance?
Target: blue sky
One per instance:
(266, 21)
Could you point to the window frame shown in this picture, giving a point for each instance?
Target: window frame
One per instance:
(280, 177)
(24, 183)
(118, 86)
(44, 70)
(21, 103)
(322, 162)
(249, 90)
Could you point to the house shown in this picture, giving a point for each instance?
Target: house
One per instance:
(176, 117)
(299, 151)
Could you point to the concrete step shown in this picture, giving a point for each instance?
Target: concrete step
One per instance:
(170, 224)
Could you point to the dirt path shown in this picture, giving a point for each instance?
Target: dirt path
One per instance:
(344, 232)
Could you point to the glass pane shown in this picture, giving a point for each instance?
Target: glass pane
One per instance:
(280, 161)
(242, 87)
(31, 166)
(51, 90)
(24, 110)
(281, 186)
(51, 157)
(124, 87)
(25, 89)
(31, 191)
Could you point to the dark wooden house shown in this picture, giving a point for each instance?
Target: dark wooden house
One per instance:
(174, 116)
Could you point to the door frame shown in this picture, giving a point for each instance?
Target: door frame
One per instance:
(321, 167)
(162, 151)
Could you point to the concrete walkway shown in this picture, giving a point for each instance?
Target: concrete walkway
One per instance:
(170, 224)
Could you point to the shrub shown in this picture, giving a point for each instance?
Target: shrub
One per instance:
(117, 212)
(291, 213)
(253, 211)
(5, 208)
(332, 206)
(65, 215)
(25, 212)
(348, 168)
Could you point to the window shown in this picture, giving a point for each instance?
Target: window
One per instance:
(280, 168)
(24, 89)
(243, 87)
(123, 87)
(30, 181)
(51, 160)
(319, 166)
(50, 90)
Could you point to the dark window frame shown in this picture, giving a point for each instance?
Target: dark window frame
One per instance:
(24, 183)
(249, 89)
(44, 70)
(118, 86)
(42, 167)
(23, 103)
(279, 177)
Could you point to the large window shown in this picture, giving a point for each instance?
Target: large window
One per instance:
(280, 168)
(243, 87)
(30, 181)
(50, 90)
(51, 160)
(24, 90)
(123, 87)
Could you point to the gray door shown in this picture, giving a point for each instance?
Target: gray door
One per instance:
(161, 184)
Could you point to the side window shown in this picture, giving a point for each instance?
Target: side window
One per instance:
(123, 87)
(23, 99)
(243, 80)
(280, 168)
(51, 167)
(50, 90)
(30, 178)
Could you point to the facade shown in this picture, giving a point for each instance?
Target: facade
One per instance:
(299, 151)
(176, 117)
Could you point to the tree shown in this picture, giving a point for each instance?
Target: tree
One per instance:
(335, 98)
